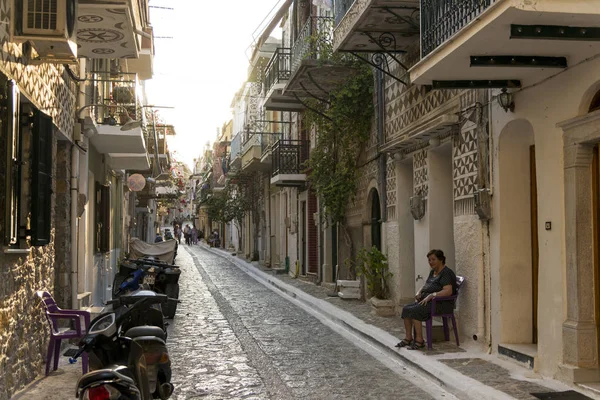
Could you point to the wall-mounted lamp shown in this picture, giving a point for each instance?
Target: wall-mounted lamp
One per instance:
(483, 203)
(506, 101)
(417, 207)
(129, 124)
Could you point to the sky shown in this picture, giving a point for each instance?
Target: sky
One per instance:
(201, 68)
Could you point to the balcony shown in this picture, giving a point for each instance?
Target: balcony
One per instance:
(502, 43)
(313, 74)
(129, 162)
(288, 159)
(143, 65)
(272, 131)
(111, 28)
(251, 153)
(235, 157)
(375, 25)
(277, 74)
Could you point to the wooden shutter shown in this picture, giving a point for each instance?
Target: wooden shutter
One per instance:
(12, 165)
(41, 180)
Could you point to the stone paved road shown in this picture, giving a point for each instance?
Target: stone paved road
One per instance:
(233, 338)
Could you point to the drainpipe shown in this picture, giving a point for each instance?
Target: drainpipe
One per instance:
(75, 199)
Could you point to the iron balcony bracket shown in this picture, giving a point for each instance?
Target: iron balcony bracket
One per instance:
(311, 108)
(413, 20)
(380, 62)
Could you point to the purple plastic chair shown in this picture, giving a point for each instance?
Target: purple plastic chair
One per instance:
(429, 323)
(57, 334)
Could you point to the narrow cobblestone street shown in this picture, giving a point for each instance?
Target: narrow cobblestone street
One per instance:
(234, 338)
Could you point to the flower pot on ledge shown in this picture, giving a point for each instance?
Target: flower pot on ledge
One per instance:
(382, 308)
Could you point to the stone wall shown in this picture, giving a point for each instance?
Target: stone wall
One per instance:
(24, 331)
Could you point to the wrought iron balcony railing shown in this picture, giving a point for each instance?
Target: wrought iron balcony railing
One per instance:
(442, 19)
(114, 89)
(340, 8)
(273, 131)
(315, 41)
(278, 69)
(289, 156)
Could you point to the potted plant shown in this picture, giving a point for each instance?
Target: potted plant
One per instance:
(372, 264)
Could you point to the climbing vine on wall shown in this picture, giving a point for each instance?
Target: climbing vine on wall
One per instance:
(343, 123)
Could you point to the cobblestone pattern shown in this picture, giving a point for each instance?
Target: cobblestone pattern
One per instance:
(208, 361)
(292, 352)
(495, 376)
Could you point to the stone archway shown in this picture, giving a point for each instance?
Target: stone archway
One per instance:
(516, 222)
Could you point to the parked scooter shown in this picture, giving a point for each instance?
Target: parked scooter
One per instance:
(128, 361)
(151, 274)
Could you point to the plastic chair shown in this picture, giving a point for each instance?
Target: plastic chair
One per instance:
(429, 323)
(57, 334)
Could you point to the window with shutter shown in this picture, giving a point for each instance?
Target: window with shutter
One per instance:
(102, 218)
(41, 180)
(10, 128)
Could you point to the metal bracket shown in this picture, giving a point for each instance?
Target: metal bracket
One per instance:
(380, 62)
(554, 32)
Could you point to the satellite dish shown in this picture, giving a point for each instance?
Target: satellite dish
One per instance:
(136, 182)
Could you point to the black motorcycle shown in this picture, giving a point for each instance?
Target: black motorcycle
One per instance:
(150, 273)
(127, 361)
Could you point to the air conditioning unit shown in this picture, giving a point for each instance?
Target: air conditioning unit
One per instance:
(49, 26)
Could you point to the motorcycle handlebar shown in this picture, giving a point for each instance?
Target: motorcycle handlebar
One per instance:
(153, 263)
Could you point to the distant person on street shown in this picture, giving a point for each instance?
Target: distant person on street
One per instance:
(194, 235)
(187, 234)
(178, 233)
(158, 238)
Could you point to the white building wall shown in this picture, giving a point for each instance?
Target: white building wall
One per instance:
(558, 99)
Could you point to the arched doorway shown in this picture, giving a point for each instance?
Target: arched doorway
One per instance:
(518, 234)
(375, 220)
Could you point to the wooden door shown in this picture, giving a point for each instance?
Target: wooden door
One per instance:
(534, 242)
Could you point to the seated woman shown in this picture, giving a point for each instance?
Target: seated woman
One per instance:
(441, 282)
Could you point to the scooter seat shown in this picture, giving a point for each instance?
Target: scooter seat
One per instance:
(146, 330)
(107, 374)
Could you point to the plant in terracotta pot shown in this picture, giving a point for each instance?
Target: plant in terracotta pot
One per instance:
(372, 264)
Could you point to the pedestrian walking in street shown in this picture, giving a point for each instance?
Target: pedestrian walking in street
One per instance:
(194, 234)
(187, 234)
(178, 233)
(441, 282)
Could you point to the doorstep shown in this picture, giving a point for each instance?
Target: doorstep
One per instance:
(523, 353)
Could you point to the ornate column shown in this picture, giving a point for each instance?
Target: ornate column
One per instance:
(580, 348)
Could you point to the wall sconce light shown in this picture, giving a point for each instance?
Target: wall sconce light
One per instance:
(506, 101)
(483, 203)
(417, 207)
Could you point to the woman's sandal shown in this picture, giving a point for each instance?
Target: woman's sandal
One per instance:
(416, 345)
(404, 343)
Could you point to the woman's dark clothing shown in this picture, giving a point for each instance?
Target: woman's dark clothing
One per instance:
(433, 284)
